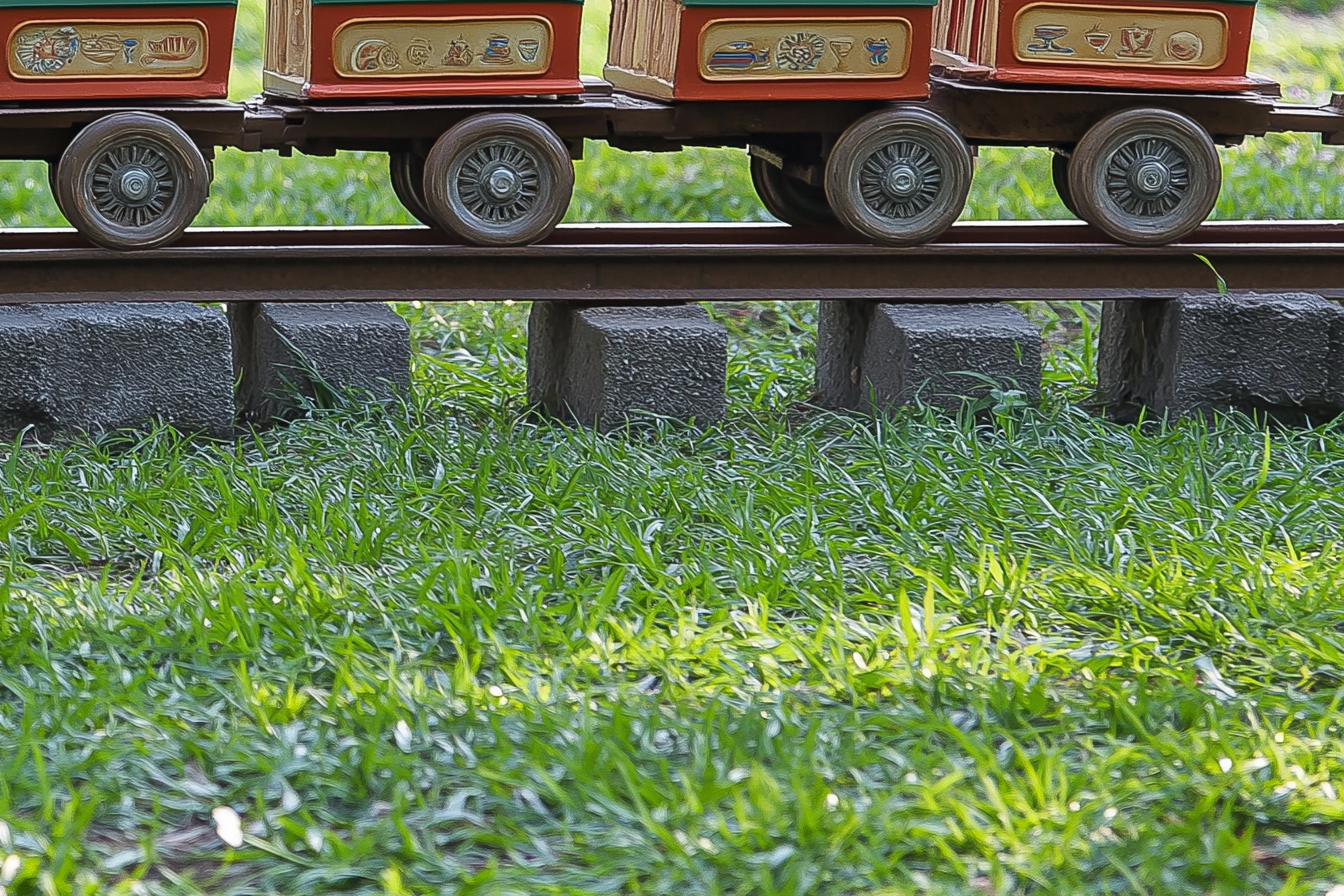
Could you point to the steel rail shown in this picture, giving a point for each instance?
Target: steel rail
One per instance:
(633, 264)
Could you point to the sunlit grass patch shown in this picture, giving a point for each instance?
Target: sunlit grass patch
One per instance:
(448, 647)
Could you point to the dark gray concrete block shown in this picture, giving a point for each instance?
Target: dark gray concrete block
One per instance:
(877, 356)
(1281, 354)
(69, 369)
(598, 366)
(287, 352)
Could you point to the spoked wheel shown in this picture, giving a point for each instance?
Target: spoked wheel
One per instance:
(132, 181)
(499, 179)
(1145, 176)
(789, 199)
(408, 183)
(900, 176)
(1059, 173)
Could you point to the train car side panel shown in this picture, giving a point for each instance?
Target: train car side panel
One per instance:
(745, 50)
(374, 48)
(1199, 45)
(95, 49)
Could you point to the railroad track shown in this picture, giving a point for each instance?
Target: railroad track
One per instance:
(630, 264)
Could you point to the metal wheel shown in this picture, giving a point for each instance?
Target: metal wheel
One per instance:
(408, 183)
(1145, 176)
(51, 183)
(1059, 173)
(131, 181)
(499, 179)
(899, 176)
(789, 199)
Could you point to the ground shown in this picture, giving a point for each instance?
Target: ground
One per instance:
(448, 647)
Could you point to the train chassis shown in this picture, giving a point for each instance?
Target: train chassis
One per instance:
(1140, 167)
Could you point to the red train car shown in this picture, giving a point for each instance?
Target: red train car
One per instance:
(393, 48)
(856, 112)
(781, 49)
(1147, 44)
(116, 49)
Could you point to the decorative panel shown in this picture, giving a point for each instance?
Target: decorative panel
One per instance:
(112, 49)
(418, 48)
(778, 49)
(1149, 37)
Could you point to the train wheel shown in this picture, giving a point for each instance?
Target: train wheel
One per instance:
(789, 199)
(408, 182)
(899, 176)
(51, 183)
(132, 181)
(1059, 173)
(1145, 176)
(499, 179)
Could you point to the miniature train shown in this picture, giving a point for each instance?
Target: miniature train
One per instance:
(861, 113)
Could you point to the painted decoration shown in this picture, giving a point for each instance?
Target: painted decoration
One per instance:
(418, 48)
(776, 49)
(1065, 34)
(107, 49)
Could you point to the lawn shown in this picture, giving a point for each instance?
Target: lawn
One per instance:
(448, 647)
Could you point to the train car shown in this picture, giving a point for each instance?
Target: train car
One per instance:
(860, 113)
(131, 176)
(899, 175)
(1193, 45)
(322, 49)
(1144, 171)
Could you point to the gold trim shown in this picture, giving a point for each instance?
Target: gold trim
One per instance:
(1115, 63)
(901, 72)
(148, 75)
(378, 76)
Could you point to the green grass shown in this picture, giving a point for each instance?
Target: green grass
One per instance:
(1280, 177)
(449, 648)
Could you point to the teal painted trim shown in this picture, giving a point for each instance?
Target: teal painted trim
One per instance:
(130, 4)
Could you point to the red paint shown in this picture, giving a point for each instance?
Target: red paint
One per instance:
(213, 83)
(561, 77)
(1230, 76)
(913, 84)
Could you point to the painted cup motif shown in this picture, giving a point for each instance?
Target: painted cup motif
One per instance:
(877, 49)
(1046, 38)
(528, 49)
(1098, 40)
(497, 50)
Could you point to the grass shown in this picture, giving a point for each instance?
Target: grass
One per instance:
(446, 647)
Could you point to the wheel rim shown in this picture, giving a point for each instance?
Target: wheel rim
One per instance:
(901, 180)
(1148, 178)
(497, 181)
(132, 183)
